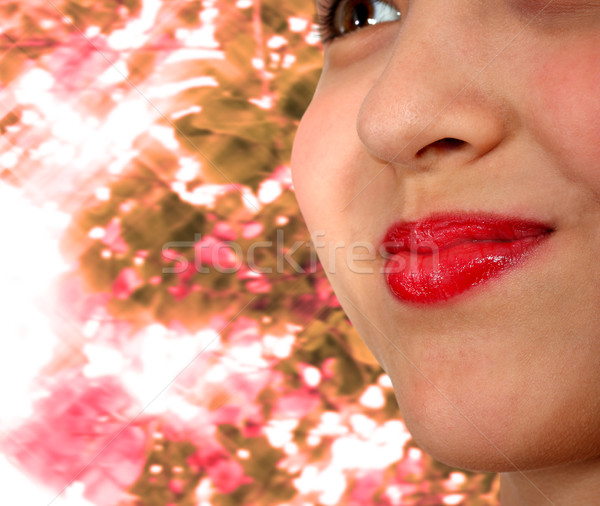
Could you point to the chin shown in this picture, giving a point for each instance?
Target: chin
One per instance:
(480, 433)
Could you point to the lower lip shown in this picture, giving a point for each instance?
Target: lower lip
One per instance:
(430, 278)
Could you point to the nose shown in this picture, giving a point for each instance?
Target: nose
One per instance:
(433, 101)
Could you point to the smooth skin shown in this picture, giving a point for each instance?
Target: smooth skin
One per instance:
(473, 106)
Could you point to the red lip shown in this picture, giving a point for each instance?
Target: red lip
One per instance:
(435, 259)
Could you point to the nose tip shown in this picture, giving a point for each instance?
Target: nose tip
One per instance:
(428, 124)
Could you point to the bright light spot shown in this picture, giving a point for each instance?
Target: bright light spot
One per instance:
(373, 397)
(204, 492)
(307, 480)
(276, 42)
(265, 102)
(170, 89)
(123, 158)
(183, 409)
(269, 191)
(250, 201)
(163, 354)
(30, 117)
(106, 253)
(47, 24)
(415, 454)
(279, 432)
(247, 356)
(330, 482)
(313, 36)
(280, 221)
(201, 37)
(193, 109)
(165, 135)
(189, 54)
(71, 127)
(291, 449)
(102, 360)
(102, 194)
(297, 24)
(208, 337)
(243, 4)
(124, 123)
(384, 381)
(121, 40)
(114, 74)
(207, 15)
(155, 468)
(137, 32)
(313, 440)
(394, 493)
(351, 452)
(288, 61)
(331, 425)
(454, 481)
(9, 159)
(392, 433)
(279, 346)
(362, 425)
(335, 487)
(189, 169)
(178, 187)
(457, 478)
(453, 499)
(90, 328)
(258, 63)
(216, 374)
(31, 261)
(311, 376)
(92, 31)
(33, 86)
(243, 454)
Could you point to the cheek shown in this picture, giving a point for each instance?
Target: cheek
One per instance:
(324, 159)
(566, 109)
(311, 181)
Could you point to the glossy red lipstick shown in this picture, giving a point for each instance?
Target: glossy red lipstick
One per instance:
(435, 259)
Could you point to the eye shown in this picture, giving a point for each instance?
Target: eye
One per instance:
(345, 16)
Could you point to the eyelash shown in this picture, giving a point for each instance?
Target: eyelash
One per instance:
(327, 21)
(326, 24)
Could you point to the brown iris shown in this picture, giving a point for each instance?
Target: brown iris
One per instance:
(353, 14)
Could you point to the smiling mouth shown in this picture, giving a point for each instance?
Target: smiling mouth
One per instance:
(436, 259)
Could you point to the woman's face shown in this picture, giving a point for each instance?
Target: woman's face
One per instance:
(474, 114)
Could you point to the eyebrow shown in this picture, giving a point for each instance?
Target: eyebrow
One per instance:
(556, 6)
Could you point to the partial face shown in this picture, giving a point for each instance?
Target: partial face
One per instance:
(466, 136)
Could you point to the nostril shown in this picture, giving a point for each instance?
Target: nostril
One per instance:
(443, 145)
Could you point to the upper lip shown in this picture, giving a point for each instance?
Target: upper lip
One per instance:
(439, 232)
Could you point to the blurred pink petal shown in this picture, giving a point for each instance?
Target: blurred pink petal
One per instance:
(227, 476)
(224, 231)
(127, 282)
(259, 286)
(244, 332)
(112, 237)
(252, 230)
(296, 405)
(212, 252)
(81, 431)
(365, 487)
